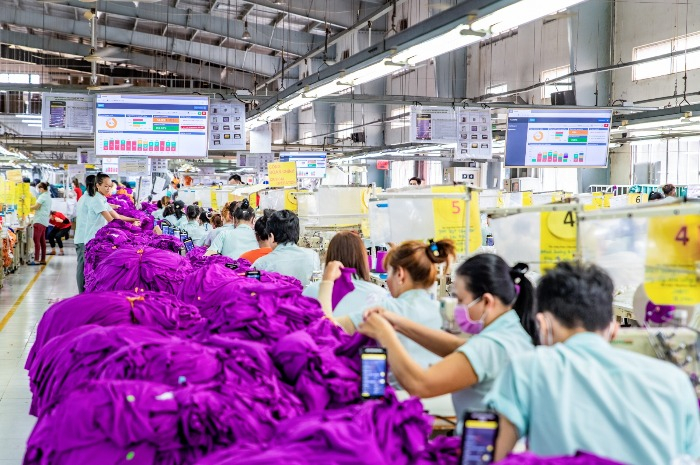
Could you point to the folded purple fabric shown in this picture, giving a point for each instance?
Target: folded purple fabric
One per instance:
(151, 309)
(118, 422)
(148, 207)
(74, 357)
(343, 286)
(143, 268)
(198, 260)
(163, 242)
(376, 432)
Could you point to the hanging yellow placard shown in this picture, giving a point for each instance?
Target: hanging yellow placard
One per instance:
(282, 174)
(450, 220)
(673, 258)
(214, 201)
(635, 199)
(500, 201)
(606, 200)
(527, 199)
(253, 200)
(558, 232)
(14, 175)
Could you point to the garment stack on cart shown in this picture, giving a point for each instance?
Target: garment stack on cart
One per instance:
(183, 359)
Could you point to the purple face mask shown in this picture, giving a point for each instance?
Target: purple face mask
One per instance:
(465, 322)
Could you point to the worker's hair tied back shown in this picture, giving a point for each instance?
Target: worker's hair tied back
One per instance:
(441, 251)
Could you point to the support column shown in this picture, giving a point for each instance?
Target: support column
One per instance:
(590, 36)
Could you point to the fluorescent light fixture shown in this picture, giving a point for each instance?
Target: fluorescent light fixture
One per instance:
(520, 13)
(658, 124)
(459, 37)
(367, 74)
(34, 125)
(25, 116)
(31, 121)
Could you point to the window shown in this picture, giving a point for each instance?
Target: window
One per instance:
(344, 130)
(496, 89)
(401, 122)
(308, 138)
(558, 86)
(670, 65)
(7, 78)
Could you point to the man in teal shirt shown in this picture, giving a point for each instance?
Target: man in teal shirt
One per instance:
(581, 394)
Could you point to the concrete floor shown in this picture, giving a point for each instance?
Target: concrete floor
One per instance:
(23, 300)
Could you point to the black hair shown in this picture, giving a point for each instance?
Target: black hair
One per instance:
(417, 179)
(179, 206)
(204, 217)
(159, 204)
(284, 225)
(192, 212)
(89, 181)
(656, 195)
(577, 295)
(261, 225)
(484, 273)
(43, 185)
(92, 188)
(244, 212)
(235, 177)
(169, 210)
(668, 189)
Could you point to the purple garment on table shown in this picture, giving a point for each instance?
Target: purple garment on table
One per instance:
(343, 286)
(581, 458)
(148, 207)
(198, 260)
(375, 432)
(118, 422)
(152, 309)
(71, 358)
(320, 378)
(143, 268)
(163, 242)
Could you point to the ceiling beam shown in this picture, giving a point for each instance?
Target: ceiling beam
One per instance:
(304, 11)
(311, 26)
(205, 73)
(263, 64)
(280, 17)
(247, 8)
(295, 42)
(361, 24)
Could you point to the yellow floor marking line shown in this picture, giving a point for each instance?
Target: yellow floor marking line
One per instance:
(24, 293)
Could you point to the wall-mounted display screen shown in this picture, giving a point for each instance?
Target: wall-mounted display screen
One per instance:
(173, 126)
(558, 138)
(309, 164)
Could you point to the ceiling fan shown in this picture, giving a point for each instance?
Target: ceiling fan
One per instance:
(102, 55)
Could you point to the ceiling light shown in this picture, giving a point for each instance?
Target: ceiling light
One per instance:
(459, 37)
(519, 13)
(246, 35)
(34, 125)
(90, 14)
(660, 123)
(22, 115)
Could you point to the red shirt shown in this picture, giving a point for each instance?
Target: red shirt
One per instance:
(253, 255)
(78, 192)
(57, 221)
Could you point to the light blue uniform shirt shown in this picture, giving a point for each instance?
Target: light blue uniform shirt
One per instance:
(365, 295)
(234, 242)
(417, 305)
(489, 353)
(585, 395)
(195, 231)
(94, 206)
(215, 232)
(41, 216)
(175, 222)
(290, 260)
(158, 214)
(80, 215)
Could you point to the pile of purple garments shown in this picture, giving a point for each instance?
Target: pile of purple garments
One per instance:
(580, 458)
(168, 359)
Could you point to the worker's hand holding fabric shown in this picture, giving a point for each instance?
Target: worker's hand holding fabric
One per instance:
(377, 327)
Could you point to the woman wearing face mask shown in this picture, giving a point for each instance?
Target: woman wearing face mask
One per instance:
(412, 272)
(496, 306)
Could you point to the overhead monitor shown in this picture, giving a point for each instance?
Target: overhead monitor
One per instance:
(309, 164)
(558, 138)
(173, 126)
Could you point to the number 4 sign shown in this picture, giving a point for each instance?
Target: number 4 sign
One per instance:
(673, 252)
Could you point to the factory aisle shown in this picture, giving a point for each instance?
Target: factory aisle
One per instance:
(23, 300)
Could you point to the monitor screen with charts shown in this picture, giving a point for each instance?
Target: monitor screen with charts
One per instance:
(309, 164)
(173, 126)
(558, 138)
